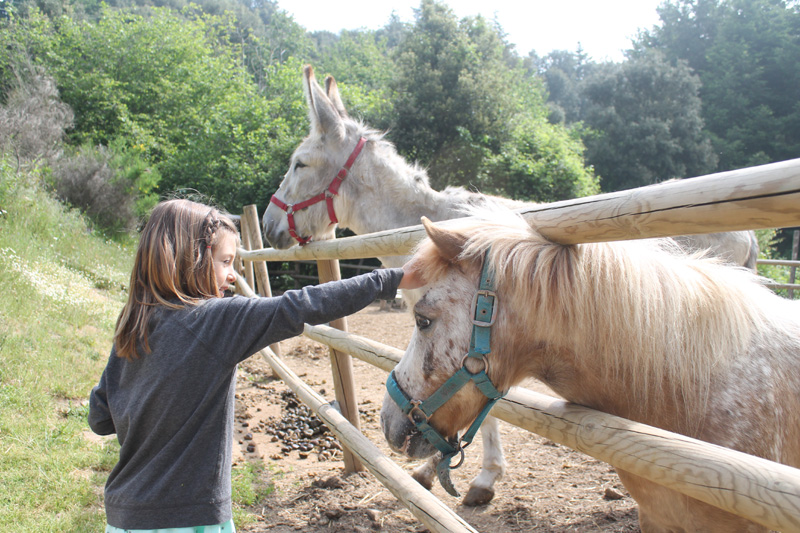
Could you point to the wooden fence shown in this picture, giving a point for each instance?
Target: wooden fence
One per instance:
(791, 264)
(763, 491)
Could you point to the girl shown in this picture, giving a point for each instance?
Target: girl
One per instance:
(168, 388)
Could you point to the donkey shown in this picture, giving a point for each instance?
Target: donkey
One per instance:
(636, 329)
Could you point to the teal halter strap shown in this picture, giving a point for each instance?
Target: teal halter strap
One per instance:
(484, 314)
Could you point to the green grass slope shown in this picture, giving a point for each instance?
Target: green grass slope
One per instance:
(64, 287)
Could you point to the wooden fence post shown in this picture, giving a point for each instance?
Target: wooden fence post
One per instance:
(342, 369)
(793, 270)
(253, 228)
(248, 265)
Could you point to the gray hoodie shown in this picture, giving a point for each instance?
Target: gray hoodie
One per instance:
(172, 409)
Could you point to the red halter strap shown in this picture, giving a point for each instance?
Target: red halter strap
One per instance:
(327, 195)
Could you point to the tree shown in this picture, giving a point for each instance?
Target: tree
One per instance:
(467, 109)
(687, 30)
(541, 163)
(752, 84)
(6, 8)
(646, 116)
(563, 73)
(747, 55)
(448, 82)
(174, 86)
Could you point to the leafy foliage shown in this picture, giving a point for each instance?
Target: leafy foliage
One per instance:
(747, 55)
(171, 85)
(462, 99)
(539, 164)
(113, 186)
(647, 116)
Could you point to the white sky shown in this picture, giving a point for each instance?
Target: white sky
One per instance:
(603, 28)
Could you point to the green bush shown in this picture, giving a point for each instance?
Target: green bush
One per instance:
(113, 186)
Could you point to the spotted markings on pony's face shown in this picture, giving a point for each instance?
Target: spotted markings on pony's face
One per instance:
(428, 364)
(435, 314)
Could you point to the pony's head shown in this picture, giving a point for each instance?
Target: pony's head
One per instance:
(452, 260)
(313, 167)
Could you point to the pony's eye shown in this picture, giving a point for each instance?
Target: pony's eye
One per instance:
(299, 164)
(423, 322)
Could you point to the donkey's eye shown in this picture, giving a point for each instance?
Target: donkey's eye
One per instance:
(423, 322)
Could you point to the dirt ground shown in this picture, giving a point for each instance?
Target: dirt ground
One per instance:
(547, 487)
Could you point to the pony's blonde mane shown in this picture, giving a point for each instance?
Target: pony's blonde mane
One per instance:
(640, 307)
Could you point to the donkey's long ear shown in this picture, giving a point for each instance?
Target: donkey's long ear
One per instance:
(449, 243)
(332, 90)
(322, 113)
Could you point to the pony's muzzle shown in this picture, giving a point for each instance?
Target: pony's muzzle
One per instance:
(401, 434)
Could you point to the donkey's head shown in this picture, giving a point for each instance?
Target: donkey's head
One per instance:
(313, 170)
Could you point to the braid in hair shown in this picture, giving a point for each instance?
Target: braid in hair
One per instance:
(209, 231)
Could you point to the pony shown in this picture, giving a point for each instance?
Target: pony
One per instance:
(637, 329)
(379, 191)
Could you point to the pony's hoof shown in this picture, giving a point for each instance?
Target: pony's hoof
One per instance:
(425, 481)
(478, 496)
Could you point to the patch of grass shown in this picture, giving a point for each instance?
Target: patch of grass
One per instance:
(778, 274)
(250, 484)
(56, 325)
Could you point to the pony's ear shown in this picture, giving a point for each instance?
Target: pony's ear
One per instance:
(323, 115)
(449, 243)
(332, 90)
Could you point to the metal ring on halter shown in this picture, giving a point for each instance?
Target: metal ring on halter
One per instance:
(483, 358)
(290, 209)
(415, 407)
(461, 459)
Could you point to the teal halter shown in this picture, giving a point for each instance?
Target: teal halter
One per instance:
(484, 314)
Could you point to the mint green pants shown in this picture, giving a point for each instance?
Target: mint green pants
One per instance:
(227, 527)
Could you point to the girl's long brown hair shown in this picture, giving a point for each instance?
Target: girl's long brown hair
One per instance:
(173, 267)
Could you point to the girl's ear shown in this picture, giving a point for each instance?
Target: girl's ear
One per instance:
(449, 243)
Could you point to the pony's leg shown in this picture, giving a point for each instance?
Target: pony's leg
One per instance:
(481, 490)
(425, 473)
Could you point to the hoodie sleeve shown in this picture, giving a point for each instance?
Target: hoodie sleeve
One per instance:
(250, 324)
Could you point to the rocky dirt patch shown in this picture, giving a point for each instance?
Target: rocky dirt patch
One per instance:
(548, 487)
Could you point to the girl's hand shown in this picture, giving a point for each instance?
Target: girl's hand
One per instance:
(412, 277)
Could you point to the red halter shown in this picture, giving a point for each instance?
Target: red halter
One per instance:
(327, 195)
